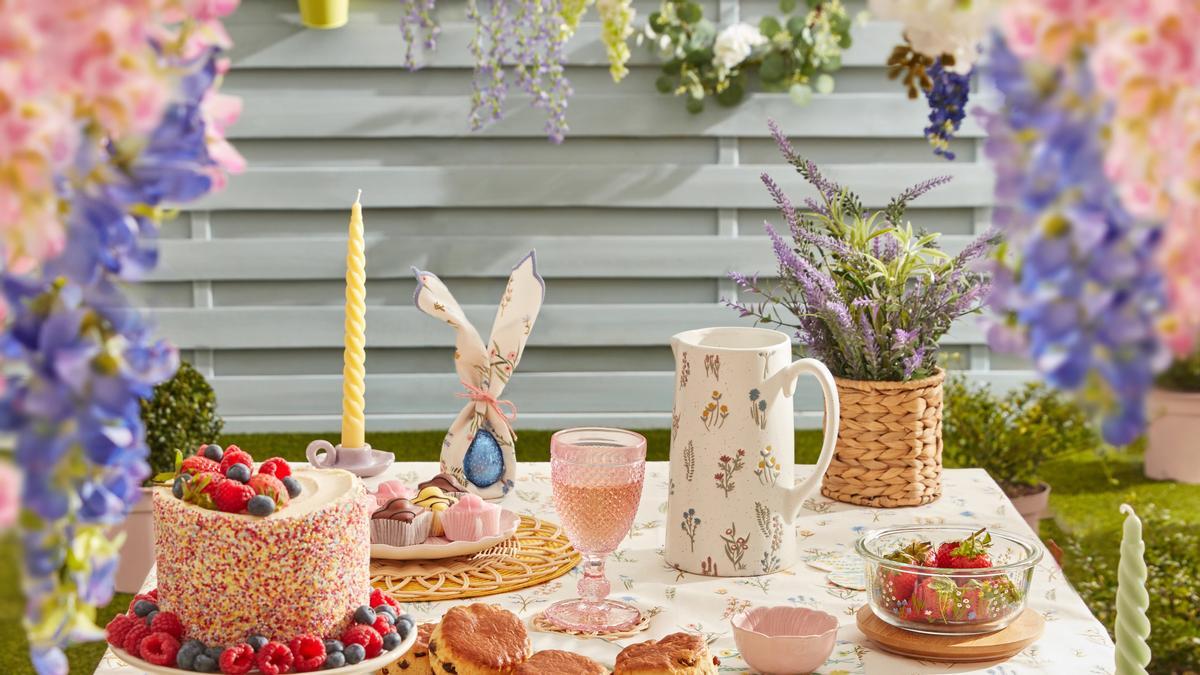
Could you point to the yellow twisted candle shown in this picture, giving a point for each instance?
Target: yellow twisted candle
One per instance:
(1132, 600)
(354, 358)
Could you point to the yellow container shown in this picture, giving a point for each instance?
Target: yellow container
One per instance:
(324, 14)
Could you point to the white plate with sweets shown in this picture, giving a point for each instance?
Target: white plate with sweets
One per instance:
(439, 519)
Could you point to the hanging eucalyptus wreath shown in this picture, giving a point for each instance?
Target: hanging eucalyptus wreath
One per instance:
(795, 53)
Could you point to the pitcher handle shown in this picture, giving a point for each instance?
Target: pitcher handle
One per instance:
(319, 459)
(795, 499)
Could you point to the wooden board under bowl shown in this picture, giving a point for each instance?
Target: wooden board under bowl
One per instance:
(1002, 644)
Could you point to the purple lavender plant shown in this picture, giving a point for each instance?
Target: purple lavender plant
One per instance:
(1078, 291)
(418, 25)
(860, 290)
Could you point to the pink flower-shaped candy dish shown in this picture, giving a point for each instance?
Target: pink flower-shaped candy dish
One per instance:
(392, 489)
(784, 640)
(471, 519)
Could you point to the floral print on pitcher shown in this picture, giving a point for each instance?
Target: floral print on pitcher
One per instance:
(768, 467)
(690, 522)
(713, 415)
(729, 466)
(735, 546)
(758, 409)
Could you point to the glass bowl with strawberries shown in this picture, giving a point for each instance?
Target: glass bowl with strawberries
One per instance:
(943, 579)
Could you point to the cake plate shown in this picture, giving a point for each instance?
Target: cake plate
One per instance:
(365, 666)
(436, 548)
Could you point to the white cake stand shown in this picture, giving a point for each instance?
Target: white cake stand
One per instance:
(365, 666)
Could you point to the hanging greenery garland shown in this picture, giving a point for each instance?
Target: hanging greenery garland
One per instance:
(526, 38)
(796, 53)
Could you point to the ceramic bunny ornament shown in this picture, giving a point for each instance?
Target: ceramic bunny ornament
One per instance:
(479, 448)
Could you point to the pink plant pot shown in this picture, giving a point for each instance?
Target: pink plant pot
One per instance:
(784, 640)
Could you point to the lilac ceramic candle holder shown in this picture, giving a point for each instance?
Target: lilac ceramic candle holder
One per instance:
(363, 462)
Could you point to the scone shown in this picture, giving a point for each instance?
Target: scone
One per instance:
(478, 639)
(416, 660)
(675, 654)
(559, 663)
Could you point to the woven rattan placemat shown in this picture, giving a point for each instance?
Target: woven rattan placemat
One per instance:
(537, 553)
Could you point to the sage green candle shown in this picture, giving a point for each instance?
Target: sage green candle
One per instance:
(1133, 654)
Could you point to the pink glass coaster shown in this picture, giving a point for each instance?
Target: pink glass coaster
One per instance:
(605, 616)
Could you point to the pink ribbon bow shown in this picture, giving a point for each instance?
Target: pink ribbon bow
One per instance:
(479, 395)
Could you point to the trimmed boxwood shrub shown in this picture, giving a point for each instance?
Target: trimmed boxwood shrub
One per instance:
(181, 415)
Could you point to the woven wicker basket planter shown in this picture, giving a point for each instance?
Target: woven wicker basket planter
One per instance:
(889, 447)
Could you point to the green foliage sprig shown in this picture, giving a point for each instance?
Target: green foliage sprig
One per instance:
(1182, 375)
(181, 415)
(1011, 436)
(795, 53)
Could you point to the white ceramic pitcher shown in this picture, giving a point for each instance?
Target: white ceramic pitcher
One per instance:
(732, 502)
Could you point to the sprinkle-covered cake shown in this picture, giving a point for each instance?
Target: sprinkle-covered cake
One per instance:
(298, 570)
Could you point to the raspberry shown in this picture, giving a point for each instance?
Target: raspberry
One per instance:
(382, 624)
(159, 648)
(366, 636)
(231, 496)
(153, 594)
(274, 658)
(197, 464)
(266, 484)
(133, 639)
(237, 659)
(378, 598)
(234, 455)
(309, 653)
(166, 622)
(118, 628)
(276, 466)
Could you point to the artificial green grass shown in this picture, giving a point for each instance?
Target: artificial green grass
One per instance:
(1087, 492)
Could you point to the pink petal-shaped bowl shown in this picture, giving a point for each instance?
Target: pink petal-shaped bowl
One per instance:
(784, 640)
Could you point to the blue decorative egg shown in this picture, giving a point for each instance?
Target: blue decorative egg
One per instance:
(483, 464)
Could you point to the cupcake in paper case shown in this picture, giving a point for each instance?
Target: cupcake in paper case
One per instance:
(400, 523)
(437, 501)
(471, 519)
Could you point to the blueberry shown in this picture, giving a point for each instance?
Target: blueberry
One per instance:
(177, 487)
(256, 642)
(391, 640)
(292, 485)
(144, 607)
(203, 663)
(334, 660)
(404, 626)
(332, 646)
(239, 472)
(364, 615)
(387, 609)
(150, 617)
(214, 652)
(260, 505)
(186, 657)
(214, 452)
(354, 653)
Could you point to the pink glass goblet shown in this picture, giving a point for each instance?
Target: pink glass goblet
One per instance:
(597, 477)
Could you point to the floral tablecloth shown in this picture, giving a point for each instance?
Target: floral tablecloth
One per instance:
(1074, 641)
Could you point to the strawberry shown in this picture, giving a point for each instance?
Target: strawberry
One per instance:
(933, 600)
(897, 587)
(917, 553)
(970, 553)
(199, 464)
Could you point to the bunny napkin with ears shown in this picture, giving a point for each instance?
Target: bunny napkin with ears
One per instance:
(479, 448)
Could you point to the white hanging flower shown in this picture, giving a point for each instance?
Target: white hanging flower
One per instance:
(735, 43)
(936, 27)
